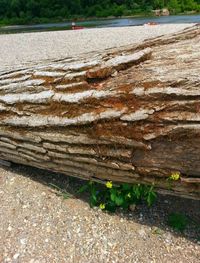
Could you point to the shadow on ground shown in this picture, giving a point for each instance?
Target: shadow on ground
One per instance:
(155, 216)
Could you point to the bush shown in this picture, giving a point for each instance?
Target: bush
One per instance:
(110, 196)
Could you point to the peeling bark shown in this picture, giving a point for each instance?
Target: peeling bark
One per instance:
(128, 115)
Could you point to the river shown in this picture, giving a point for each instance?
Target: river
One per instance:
(120, 22)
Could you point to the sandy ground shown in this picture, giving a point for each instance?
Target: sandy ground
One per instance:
(37, 225)
(40, 226)
(18, 50)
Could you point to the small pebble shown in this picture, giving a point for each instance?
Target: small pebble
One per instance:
(9, 228)
(16, 256)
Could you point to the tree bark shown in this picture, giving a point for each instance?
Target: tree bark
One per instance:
(128, 115)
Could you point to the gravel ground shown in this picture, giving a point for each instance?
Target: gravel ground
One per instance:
(22, 49)
(39, 226)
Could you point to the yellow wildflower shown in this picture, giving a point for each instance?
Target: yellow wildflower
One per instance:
(109, 184)
(102, 206)
(175, 176)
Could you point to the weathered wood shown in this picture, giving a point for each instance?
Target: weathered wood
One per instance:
(128, 115)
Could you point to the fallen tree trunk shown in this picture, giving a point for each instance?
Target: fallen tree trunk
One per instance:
(127, 115)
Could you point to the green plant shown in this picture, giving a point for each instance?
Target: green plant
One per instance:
(178, 221)
(110, 196)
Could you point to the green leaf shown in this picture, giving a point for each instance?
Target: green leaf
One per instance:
(126, 187)
(113, 197)
(94, 197)
(119, 200)
(137, 191)
(151, 198)
(93, 201)
(83, 188)
(113, 191)
(113, 194)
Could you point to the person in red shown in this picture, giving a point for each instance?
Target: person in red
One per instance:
(73, 25)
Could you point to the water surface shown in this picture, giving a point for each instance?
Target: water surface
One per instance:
(120, 22)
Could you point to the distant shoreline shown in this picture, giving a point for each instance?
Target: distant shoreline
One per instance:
(81, 19)
(78, 19)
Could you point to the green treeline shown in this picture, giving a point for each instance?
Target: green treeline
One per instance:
(34, 11)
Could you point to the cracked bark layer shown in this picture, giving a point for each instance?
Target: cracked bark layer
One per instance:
(128, 115)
